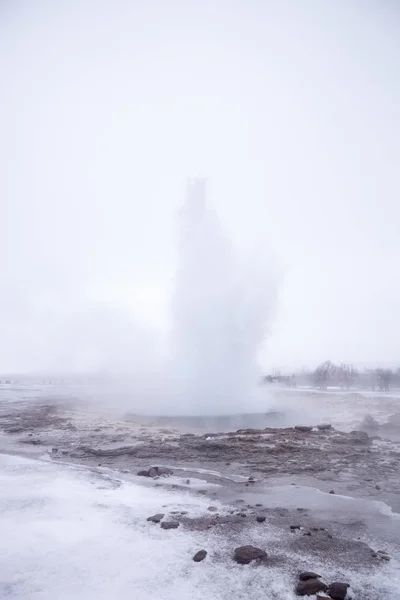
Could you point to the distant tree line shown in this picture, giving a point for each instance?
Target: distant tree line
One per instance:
(343, 376)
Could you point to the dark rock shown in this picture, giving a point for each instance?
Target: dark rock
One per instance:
(332, 492)
(155, 472)
(324, 426)
(260, 519)
(259, 504)
(252, 479)
(163, 471)
(169, 524)
(187, 481)
(307, 575)
(156, 518)
(338, 591)
(293, 527)
(310, 587)
(200, 555)
(378, 487)
(245, 554)
(212, 508)
(303, 428)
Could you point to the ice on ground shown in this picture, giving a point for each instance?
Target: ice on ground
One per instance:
(66, 533)
(69, 532)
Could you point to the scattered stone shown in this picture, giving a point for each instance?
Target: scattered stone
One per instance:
(155, 472)
(303, 428)
(307, 533)
(310, 587)
(170, 524)
(259, 504)
(378, 487)
(332, 492)
(156, 518)
(245, 554)
(260, 519)
(200, 555)
(293, 527)
(324, 426)
(252, 479)
(187, 481)
(307, 575)
(338, 591)
(212, 508)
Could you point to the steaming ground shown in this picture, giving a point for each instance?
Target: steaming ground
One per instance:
(73, 511)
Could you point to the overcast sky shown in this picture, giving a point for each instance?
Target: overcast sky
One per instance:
(290, 109)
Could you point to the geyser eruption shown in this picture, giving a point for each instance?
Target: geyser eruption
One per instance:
(221, 308)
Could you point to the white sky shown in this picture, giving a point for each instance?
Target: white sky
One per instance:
(290, 109)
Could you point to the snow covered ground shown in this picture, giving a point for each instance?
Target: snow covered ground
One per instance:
(69, 534)
(73, 533)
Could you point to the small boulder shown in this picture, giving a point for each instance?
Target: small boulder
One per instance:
(332, 492)
(307, 575)
(212, 508)
(245, 554)
(293, 527)
(260, 518)
(155, 472)
(378, 487)
(338, 590)
(163, 471)
(200, 555)
(324, 426)
(170, 524)
(310, 587)
(156, 518)
(142, 473)
(303, 428)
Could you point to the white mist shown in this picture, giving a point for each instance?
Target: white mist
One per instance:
(221, 308)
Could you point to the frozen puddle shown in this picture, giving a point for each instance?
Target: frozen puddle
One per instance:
(69, 533)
